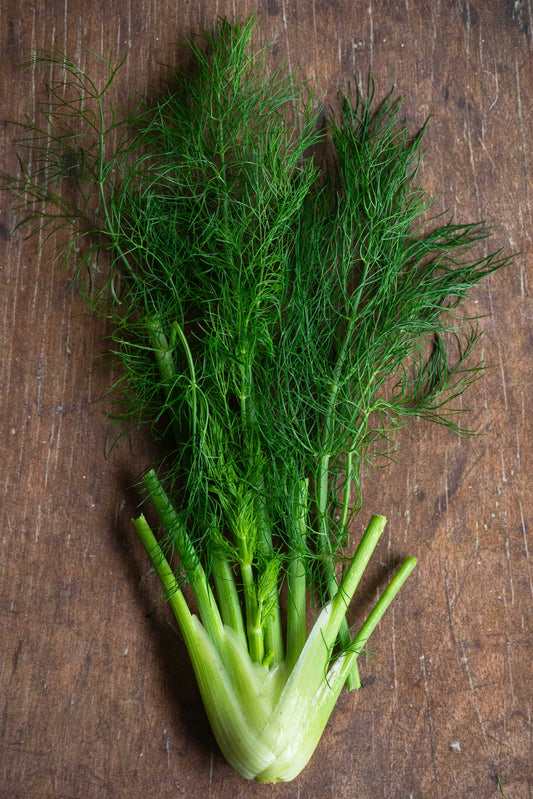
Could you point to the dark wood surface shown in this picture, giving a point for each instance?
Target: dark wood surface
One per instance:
(97, 700)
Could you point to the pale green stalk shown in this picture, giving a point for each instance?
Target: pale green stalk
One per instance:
(296, 578)
(324, 477)
(228, 597)
(196, 575)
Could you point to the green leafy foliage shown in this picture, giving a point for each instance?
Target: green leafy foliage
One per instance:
(280, 320)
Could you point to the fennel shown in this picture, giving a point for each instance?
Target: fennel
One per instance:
(280, 321)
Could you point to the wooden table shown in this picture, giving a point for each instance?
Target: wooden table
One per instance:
(97, 699)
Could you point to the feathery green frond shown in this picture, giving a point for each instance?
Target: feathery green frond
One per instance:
(279, 322)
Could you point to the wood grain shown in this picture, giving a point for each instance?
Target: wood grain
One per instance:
(97, 698)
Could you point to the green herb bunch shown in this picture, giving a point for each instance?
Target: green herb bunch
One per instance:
(278, 320)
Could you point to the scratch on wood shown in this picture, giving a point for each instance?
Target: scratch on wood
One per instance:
(471, 154)
(462, 657)
(524, 234)
(502, 371)
(65, 22)
(431, 726)
(523, 136)
(496, 85)
(485, 394)
(434, 14)
(49, 455)
(409, 28)
(394, 664)
(210, 774)
(506, 530)
(392, 761)
(167, 747)
(286, 29)
(508, 646)
(468, 27)
(526, 548)
(371, 33)
(317, 57)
